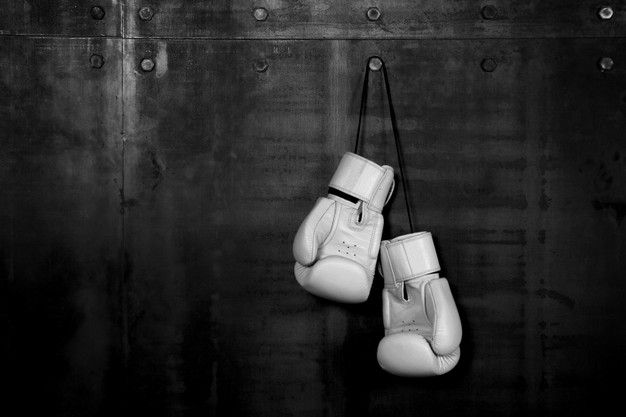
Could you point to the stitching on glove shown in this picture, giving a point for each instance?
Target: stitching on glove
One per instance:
(315, 229)
(436, 313)
(336, 219)
(393, 272)
(378, 189)
(417, 275)
(406, 258)
(394, 242)
(373, 238)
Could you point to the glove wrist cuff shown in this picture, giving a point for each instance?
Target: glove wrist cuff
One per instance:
(408, 257)
(364, 180)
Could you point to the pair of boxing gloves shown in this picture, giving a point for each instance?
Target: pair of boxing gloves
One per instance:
(336, 249)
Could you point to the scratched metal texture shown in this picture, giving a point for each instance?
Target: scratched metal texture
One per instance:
(60, 225)
(314, 19)
(59, 18)
(146, 218)
(519, 173)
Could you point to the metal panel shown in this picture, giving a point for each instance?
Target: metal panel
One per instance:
(518, 172)
(60, 17)
(60, 225)
(312, 19)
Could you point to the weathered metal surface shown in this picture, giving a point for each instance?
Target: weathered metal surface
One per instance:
(60, 225)
(155, 277)
(312, 19)
(520, 173)
(60, 17)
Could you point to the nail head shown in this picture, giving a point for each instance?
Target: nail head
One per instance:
(260, 14)
(489, 12)
(96, 61)
(605, 13)
(97, 13)
(489, 64)
(373, 14)
(375, 63)
(146, 13)
(147, 64)
(606, 63)
(260, 65)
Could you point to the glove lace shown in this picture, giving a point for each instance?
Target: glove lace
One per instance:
(394, 126)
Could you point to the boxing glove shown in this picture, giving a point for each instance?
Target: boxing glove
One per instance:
(422, 324)
(337, 244)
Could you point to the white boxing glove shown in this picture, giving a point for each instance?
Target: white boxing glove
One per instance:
(422, 324)
(337, 244)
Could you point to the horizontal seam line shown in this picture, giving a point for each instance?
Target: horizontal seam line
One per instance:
(286, 39)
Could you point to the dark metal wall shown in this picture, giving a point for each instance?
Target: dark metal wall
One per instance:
(157, 157)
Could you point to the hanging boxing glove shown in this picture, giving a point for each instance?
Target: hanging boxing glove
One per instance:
(422, 324)
(337, 245)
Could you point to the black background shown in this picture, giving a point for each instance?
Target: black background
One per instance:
(146, 218)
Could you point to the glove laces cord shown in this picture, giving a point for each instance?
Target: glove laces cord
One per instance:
(394, 126)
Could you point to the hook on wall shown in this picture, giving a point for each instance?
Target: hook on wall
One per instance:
(375, 63)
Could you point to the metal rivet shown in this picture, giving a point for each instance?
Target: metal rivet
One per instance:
(375, 63)
(146, 13)
(97, 12)
(147, 64)
(373, 14)
(260, 65)
(260, 14)
(606, 63)
(488, 64)
(97, 61)
(489, 12)
(605, 13)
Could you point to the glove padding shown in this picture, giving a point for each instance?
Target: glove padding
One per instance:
(337, 243)
(422, 324)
